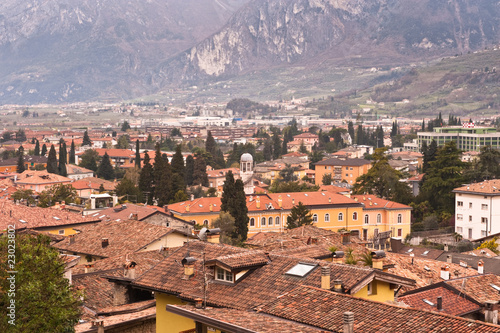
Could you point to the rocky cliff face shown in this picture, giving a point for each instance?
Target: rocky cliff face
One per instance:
(280, 32)
(66, 50)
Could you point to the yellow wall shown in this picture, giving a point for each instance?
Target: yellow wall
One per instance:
(167, 322)
(348, 175)
(389, 221)
(381, 292)
(170, 240)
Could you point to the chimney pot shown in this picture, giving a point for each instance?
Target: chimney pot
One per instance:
(192, 197)
(129, 269)
(104, 242)
(440, 303)
(446, 247)
(348, 321)
(480, 267)
(337, 285)
(325, 278)
(198, 303)
(445, 272)
(491, 312)
(449, 259)
(165, 208)
(71, 239)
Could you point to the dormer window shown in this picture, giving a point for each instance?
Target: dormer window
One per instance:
(223, 275)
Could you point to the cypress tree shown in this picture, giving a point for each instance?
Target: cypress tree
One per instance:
(200, 176)
(44, 150)
(210, 145)
(178, 162)
(228, 192)
(233, 201)
(276, 146)
(86, 139)
(62, 159)
(37, 148)
(72, 153)
(20, 164)
(51, 160)
(219, 159)
(146, 178)
(189, 170)
(350, 130)
(137, 155)
(105, 169)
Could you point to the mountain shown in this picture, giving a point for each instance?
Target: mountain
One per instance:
(75, 50)
(266, 34)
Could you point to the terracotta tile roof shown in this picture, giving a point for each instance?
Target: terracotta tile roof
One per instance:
(482, 253)
(123, 237)
(491, 187)
(240, 260)
(40, 177)
(294, 154)
(97, 290)
(251, 321)
(127, 308)
(254, 288)
(478, 287)
(325, 309)
(371, 201)
(72, 169)
(417, 178)
(421, 252)
(306, 251)
(125, 212)
(344, 162)
(115, 321)
(423, 271)
(114, 153)
(27, 159)
(94, 183)
(453, 304)
(35, 217)
(311, 199)
(334, 189)
(222, 172)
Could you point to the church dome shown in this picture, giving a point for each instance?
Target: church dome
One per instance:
(246, 158)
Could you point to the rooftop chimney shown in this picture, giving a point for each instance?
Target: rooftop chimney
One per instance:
(325, 278)
(280, 201)
(337, 285)
(71, 239)
(129, 269)
(440, 303)
(188, 263)
(293, 201)
(480, 267)
(134, 216)
(192, 197)
(446, 247)
(165, 208)
(213, 236)
(210, 207)
(257, 202)
(99, 324)
(330, 200)
(378, 259)
(89, 268)
(445, 272)
(348, 320)
(345, 237)
(338, 257)
(187, 208)
(104, 242)
(491, 312)
(449, 259)
(198, 303)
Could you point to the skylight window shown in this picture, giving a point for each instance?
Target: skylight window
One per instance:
(306, 194)
(322, 193)
(425, 253)
(23, 221)
(494, 286)
(301, 269)
(428, 302)
(102, 216)
(56, 218)
(410, 250)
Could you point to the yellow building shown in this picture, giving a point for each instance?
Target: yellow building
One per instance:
(341, 170)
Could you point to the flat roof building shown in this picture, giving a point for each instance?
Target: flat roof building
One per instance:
(467, 138)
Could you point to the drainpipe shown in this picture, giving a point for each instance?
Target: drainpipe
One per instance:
(491, 212)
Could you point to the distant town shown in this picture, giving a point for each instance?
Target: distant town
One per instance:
(247, 217)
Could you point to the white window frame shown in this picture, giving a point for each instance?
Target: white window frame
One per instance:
(315, 218)
(484, 206)
(270, 221)
(460, 203)
(341, 217)
(367, 219)
(484, 220)
(277, 220)
(355, 216)
(223, 275)
(400, 218)
(252, 222)
(327, 217)
(262, 221)
(379, 218)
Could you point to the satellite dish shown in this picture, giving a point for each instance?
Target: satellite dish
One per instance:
(202, 235)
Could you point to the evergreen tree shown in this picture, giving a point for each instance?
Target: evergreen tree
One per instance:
(178, 162)
(62, 159)
(380, 137)
(37, 148)
(219, 161)
(200, 176)
(89, 159)
(233, 201)
(44, 150)
(20, 164)
(210, 145)
(125, 126)
(137, 155)
(189, 171)
(162, 179)
(105, 169)
(146, 178)
(299, 216)
(360, 135)
(86, 139)
(228, 192)
(350, 130)
(276, 146)
(429, 156)
(72, 153)
(52, 160)
(284, 147)
(423, 125)
(268, 150)
(394, 130)
(487, 167)
(443, 175)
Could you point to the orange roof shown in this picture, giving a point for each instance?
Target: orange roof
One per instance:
(372, 202)
(485, 187)
(40, 177)
(127, 153)
(222, 172)
(310, 199)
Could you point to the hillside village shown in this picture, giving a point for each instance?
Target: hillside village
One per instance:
(297, 225)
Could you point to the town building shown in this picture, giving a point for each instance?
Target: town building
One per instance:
(467, 138)
(341, 170)
(39, 181)
(477, 206)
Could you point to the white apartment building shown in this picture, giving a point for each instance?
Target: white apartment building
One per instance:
(477, 209)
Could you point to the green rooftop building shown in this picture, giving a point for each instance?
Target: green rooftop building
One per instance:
(467, 138)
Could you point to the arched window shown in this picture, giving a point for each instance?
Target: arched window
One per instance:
(252, 222)
(205, 223)
(277, 220)
(327, 217)
(263, 221)
(315, 218)
(367, 219)
(341, 217)
(400, 218)
(379, 218)
(270, 221)
(355, 216)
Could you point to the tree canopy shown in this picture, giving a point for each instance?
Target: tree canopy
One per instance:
(299, 216)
